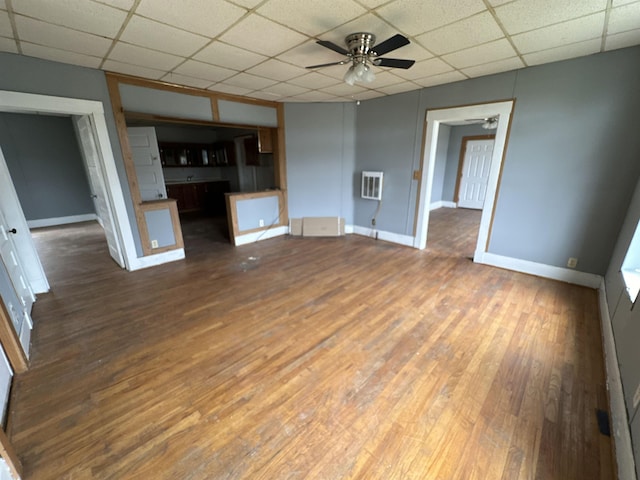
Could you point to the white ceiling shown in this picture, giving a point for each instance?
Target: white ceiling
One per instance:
(259, 48)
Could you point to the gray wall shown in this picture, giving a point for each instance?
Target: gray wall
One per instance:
(46, 166)
(442, 150)
(31, 75)
(453, 156)
(571, 162)
(320, 159)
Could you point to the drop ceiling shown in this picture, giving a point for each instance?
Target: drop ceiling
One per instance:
(259, 48)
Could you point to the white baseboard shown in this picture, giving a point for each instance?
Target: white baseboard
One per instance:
(618, 413)
(441, 204)
(156, 259)
(383, 235)
(541, 270)
(263, 235)
(51, 222)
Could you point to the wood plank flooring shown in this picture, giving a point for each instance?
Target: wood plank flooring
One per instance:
(296, 358)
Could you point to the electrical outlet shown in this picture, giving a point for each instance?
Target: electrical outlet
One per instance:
(572, 262)
(636, 397)
(261, 222)
(154, 243)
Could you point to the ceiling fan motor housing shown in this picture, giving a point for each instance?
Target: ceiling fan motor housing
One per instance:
(359, 44)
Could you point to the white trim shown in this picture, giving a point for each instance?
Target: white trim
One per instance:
(157, 259)
(539, 269)
(442, 204)
(51, 222)
(398, 238)
(20, 102)
(620, 422)
(434, 118)
(262, 235)
(348, 229)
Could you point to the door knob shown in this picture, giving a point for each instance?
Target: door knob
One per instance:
(13, 230)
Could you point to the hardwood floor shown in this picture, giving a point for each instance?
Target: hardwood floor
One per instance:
(309, 358)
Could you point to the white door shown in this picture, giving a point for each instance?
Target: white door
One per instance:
(13, 266)
(98, 187)
(475, 174)
(25, 249)
(146, 158)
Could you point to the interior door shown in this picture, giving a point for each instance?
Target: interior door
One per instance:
(13, 266)
(475, 173)
(98, 187)
(146, 158)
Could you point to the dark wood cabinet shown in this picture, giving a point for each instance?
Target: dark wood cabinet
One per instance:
(265, 140)
(205, 197)
(197, 154)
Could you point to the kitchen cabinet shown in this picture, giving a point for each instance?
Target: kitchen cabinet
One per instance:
(205, 197)
(197, 154)
(265, 140)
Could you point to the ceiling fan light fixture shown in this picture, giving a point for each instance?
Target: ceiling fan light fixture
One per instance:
(490, 123)
(368, 75)
(350, 77)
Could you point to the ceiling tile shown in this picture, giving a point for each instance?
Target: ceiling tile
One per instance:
(366, 23)
(311, 18)
(90, 17)
(247, 3)
(617, 3)
(399, 88)
(129, 69)
(122, 4)
(373, 3)
(247, 80)
(151, 34)
(123, 52)
(313, 96)
(262, 36)
(286, 89)
(264, 95)
(489, 52)
(562, 53)
(230, 89)
(622, 40)
(35, 31)
(367, 95)
(277, 70)
(198, 16)
(525, 15)
(57, 55)
(448, 77)
(344, 90)
(178, 79)
(425, 68)
(471, 31)
(624, 18)
(495, 3)
(494, 67)
(8, 45)
(419, 16)
(573, 31)
(5, 25)
(219, 53)
(314, 80)
(310, 53)
(385, 78)
(204, 71)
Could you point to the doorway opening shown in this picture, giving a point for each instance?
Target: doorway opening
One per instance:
(200, 164)
(441, 120)
(121, 242)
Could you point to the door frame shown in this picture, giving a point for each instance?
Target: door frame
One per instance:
(434, 118)
(463, 151)
(19, 102)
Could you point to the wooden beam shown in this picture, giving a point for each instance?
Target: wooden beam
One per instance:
(9, 454)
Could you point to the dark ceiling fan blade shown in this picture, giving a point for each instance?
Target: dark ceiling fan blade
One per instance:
(394, 62)
(328, 64)
(332, 46)
(391, 44)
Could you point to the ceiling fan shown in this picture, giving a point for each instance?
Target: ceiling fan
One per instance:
(362, 54)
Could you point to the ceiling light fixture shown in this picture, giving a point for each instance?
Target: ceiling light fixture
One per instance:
(490, 123)
(359, 71)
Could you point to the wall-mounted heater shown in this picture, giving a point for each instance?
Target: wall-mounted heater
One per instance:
(371, 185)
